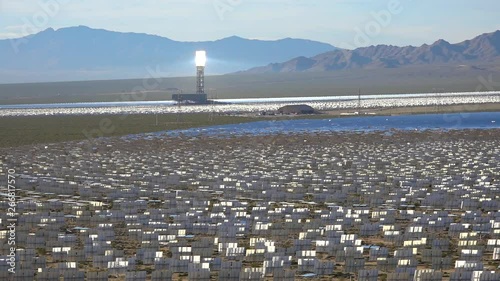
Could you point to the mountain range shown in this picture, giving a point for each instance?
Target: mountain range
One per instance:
(83, 53)
(483, 49)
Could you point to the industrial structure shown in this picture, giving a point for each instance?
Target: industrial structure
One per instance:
(200, 97)
(296, 109)
(201, 61)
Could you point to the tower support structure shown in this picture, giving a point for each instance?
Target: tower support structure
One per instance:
(200, 80)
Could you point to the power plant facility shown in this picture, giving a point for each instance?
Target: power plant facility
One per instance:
(200, 97)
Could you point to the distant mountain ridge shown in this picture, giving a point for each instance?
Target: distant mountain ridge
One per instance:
(82, 53)
(482, 49)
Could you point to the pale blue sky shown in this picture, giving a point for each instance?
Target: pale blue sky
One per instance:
(412, 22)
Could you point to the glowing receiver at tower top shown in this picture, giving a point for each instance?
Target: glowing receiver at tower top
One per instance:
(201, 58)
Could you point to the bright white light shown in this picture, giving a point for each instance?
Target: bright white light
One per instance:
(201, 58)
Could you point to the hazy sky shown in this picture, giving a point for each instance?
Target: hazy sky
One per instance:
(338, 22)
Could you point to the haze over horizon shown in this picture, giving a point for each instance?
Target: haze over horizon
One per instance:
(339, 22)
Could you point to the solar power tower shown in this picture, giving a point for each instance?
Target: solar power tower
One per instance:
(201, 60)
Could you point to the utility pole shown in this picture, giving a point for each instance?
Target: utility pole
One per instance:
(211, 111)
(213, 97)
(179, 101)
(359, 100)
